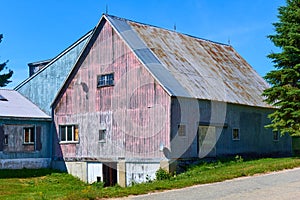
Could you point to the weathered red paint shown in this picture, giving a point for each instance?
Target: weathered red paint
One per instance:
(135, 111)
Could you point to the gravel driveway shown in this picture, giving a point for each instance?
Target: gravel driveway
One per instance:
(278, 185)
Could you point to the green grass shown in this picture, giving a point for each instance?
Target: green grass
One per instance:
(50, 184)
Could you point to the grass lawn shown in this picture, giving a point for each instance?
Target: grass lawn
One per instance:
(50, 184)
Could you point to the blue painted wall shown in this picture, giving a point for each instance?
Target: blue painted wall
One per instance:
(42, 88)
(46, 138)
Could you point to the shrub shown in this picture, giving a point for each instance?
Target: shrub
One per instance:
(162, 174)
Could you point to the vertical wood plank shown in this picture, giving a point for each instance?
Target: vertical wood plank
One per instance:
(136, 100)
(1, 138)
(38, 145)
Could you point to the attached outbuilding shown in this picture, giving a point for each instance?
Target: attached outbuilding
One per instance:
(25, 133)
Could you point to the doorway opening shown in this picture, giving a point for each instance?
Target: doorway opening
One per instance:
(110, 174)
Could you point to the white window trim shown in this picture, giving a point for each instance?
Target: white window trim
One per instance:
(73, 141)
(106, 80)
(30, 128)
(235, 139)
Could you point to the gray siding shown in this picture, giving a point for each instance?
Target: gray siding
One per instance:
(250, 121)
(255, 139)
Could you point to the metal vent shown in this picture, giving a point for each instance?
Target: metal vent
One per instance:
(2, 98)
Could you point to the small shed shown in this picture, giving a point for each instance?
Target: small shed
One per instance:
(25, 135)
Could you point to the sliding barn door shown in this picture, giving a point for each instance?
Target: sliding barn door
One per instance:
(207, 141)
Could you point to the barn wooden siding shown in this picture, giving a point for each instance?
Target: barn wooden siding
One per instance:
(42, 87)
(14, 154)
(135, 111)
(255, 139)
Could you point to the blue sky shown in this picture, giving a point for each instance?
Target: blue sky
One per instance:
(37, 30)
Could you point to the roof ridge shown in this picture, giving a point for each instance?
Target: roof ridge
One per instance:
(7, 89)
(185, 34)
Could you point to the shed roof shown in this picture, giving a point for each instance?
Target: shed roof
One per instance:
(14, 105)
(188, 66)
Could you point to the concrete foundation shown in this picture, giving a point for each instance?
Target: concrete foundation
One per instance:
(28, 163)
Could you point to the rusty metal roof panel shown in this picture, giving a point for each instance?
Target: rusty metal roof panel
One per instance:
(200, 68)
(17, 106)
(145, 55)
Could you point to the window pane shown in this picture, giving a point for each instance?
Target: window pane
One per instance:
(102, 135)
(100, 82)
(69, 133)
(26, 135)
(111, 79)
(235, 134)
(105, 80)
(62, 133)
(76, 137)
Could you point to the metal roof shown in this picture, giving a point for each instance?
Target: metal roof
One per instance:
(17, 106)
(187, 66)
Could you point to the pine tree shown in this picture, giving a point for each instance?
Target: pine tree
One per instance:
(4, 78)
(284, 92)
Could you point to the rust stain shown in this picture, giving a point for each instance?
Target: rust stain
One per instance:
(186, 57)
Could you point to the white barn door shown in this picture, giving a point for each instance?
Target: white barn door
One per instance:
(94, 172)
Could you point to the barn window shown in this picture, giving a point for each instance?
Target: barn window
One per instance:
(69, 133)
(105, 80)
(102, 135)
(28, 135)
(235, 134)
(181, 130)
(275, 135)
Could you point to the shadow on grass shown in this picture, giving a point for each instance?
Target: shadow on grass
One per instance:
(183, 167)
(26, 173)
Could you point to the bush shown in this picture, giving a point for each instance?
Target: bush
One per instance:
(162, 174)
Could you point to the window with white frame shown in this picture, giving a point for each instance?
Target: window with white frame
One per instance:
(102, 135)
(235, 134)
(105, 80)
(69, 133)
(28, 137)
(275, 135)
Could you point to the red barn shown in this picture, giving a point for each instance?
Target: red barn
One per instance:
(140, 97)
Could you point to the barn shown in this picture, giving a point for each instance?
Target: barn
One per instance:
(141, 97)
(128, 98)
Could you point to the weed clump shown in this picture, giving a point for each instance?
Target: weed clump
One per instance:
(162, 174)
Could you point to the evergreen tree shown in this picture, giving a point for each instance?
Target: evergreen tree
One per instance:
(284, 92)
(4, 78)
